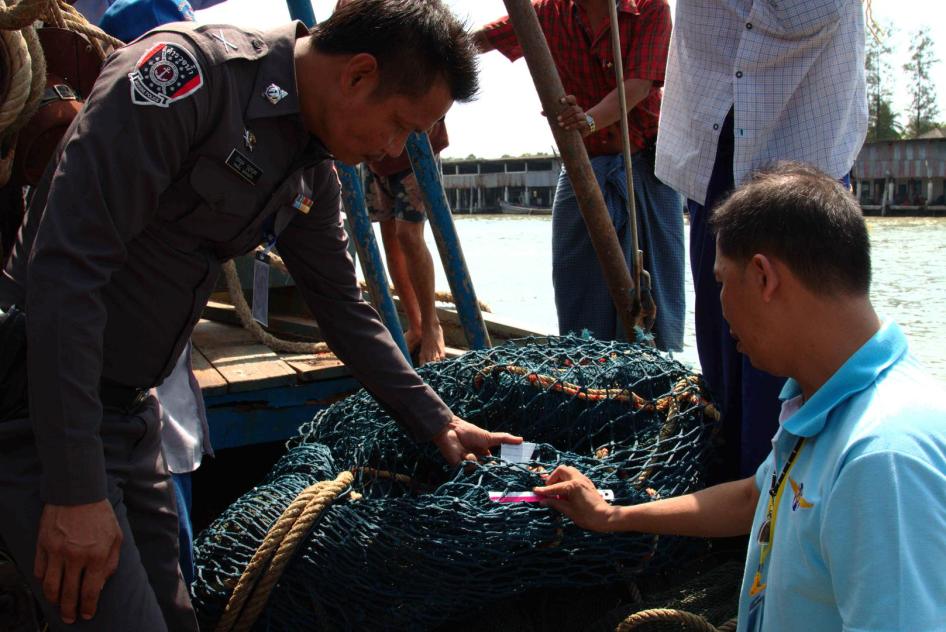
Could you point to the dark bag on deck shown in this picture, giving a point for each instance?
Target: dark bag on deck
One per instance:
(13, 393)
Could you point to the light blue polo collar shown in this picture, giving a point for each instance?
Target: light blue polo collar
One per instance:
(884, 348)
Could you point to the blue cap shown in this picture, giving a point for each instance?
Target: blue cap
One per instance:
(130, 19)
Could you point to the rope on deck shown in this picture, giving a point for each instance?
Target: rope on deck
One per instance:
(277, 549)
(678, 619)
(246, 317)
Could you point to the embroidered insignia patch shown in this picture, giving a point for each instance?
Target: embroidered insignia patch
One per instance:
(165, 74)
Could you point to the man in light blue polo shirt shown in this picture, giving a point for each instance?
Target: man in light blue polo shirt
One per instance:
(847, 515)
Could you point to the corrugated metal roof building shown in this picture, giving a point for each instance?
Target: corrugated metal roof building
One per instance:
(478, 185)
(901, 172)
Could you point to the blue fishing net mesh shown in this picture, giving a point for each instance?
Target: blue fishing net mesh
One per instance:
(415, 543)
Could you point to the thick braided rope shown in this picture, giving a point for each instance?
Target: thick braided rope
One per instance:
(275, 552)
(688, 620)
(37, 81)
(57, 13)
(22, 14)
(75, 21)
(246, 317)
(729, 626)
(20, 71)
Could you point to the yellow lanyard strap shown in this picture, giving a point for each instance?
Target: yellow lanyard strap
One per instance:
(775, 498)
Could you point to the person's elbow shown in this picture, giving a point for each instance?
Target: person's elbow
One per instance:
(750, 500)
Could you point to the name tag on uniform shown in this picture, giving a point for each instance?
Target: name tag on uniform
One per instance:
(244, 167)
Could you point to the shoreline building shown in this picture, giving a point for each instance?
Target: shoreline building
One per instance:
(902, 177)
(479, 185)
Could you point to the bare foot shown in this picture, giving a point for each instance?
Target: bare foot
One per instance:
(413, 340)
(432, 348)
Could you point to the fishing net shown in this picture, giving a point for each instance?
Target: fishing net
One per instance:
(414, 543)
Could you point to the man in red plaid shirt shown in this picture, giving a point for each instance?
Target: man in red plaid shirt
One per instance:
(579, 36)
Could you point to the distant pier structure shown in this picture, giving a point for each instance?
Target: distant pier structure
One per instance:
(477, 185)
(902, 177)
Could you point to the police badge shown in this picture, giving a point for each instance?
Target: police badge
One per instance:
(165, 74)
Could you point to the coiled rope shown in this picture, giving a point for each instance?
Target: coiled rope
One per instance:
(270, 559)
(55, 13)
(26, 64)
(677, 619)
(235, 288)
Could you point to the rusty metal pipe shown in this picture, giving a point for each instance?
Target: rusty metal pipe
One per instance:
(575, 156)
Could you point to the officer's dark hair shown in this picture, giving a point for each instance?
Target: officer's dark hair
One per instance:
(414, 41)
(805, 219)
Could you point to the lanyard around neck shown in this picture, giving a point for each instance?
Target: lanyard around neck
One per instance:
(767, 530)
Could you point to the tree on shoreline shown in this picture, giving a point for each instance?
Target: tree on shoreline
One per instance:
(882, 119)
(923, 106)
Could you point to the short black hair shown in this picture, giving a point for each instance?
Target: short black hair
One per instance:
(415, 42)
(804, 218)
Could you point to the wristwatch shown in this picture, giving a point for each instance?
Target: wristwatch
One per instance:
(591, 123)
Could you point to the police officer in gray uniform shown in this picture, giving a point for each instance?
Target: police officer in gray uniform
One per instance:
(195, 141)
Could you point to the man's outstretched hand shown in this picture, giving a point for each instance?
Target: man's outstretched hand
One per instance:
(462, 440)
(569, 491)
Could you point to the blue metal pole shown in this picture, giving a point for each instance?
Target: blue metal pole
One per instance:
(353, 197)
(428, 175)
(301, 10)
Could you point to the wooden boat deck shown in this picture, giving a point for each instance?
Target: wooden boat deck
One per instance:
(256, 395)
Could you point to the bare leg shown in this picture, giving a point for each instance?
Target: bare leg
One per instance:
(420, 268)
(398, 269)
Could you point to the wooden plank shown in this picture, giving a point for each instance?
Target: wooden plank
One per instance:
(249, 367)
(209, 378)
(312, 368)
(208, 334)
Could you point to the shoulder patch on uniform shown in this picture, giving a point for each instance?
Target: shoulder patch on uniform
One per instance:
(166, 73)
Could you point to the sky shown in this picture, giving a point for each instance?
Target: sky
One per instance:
(505, 118)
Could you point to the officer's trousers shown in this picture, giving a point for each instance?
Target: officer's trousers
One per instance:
(147, 592)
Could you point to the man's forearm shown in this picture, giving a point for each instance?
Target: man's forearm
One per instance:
(608, 110)
(720, 511)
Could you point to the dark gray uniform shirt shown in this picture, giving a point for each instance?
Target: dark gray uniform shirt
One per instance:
(123, 243)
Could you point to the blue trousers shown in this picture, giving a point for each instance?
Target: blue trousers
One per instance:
(182, 493)
(582, 299)
(747, 397)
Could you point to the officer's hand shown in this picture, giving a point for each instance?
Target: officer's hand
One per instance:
(76, 552)
(571, 492)
(462, 440)
(572, 116)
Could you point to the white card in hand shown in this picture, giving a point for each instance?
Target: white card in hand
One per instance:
(521, 453)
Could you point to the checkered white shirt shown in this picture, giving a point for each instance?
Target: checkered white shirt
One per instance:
(793, 70)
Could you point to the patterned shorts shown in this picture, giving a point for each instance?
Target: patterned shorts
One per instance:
(387, 199)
